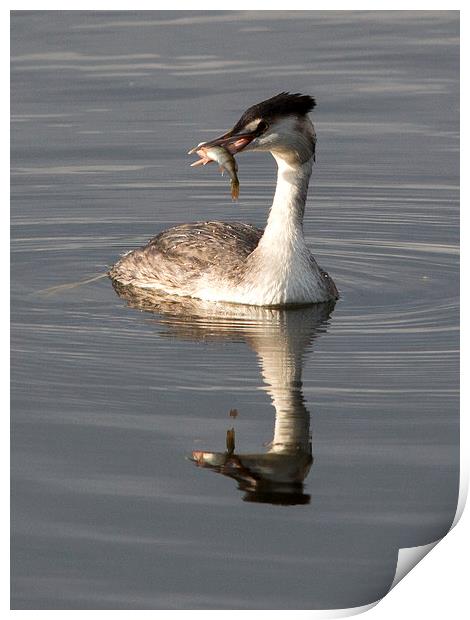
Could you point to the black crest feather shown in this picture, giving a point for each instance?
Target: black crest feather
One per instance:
(283, 104)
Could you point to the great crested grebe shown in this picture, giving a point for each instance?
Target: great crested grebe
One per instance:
(236, 262)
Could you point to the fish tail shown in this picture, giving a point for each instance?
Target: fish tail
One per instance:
(235, 186)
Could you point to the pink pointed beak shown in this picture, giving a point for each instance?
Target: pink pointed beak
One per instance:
(234, 143)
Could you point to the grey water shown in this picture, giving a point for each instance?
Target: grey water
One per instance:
(187, 456)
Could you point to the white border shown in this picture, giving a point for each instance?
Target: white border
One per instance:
(437, 587)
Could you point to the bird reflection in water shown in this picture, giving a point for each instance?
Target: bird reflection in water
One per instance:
(281, 339)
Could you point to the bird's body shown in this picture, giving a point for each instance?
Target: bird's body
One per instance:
(236, 262)
(185, 258)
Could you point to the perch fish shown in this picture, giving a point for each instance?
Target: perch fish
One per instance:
(225, 160)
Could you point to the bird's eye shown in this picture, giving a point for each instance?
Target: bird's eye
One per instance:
(262, 126)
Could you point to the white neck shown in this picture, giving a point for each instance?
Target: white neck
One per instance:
(284, 228)
(279, 271)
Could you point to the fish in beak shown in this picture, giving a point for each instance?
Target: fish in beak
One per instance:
(222, 151)
(226, 161)
(233, 142)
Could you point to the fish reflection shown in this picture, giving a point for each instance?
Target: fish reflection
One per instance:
(281, 340)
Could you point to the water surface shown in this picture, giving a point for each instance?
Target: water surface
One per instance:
(114, 398)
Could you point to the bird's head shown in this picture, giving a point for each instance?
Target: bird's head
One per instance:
(280, 125)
